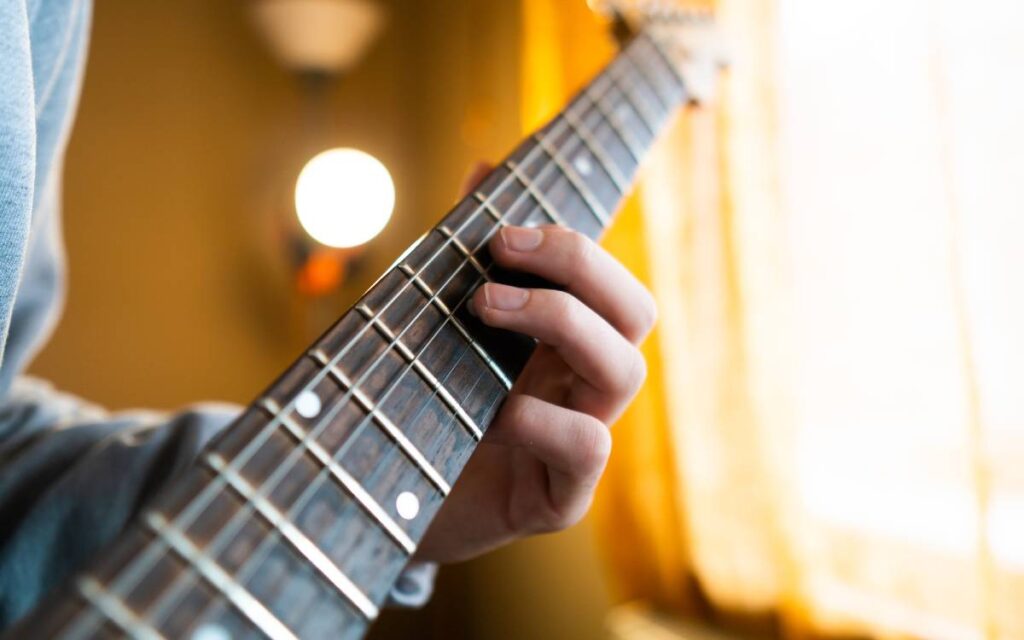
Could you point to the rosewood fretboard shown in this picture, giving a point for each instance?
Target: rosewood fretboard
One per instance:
(296, 521)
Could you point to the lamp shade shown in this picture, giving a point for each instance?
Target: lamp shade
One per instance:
(327, 36)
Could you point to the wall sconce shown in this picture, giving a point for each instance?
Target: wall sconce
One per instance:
(344, 197)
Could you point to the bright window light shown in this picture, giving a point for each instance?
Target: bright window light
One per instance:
(344, 197)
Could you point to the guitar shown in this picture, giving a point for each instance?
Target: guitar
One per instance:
(297, 519)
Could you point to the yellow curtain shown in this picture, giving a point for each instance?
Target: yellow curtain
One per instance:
(564, 44)
(831, 436)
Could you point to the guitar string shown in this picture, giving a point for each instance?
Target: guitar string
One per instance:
(323, 477)
(500, 189)
(338, 526)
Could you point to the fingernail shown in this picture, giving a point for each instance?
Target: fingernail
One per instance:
(521, 238)
(505, 298)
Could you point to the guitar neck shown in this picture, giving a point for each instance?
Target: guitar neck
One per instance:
(298, 518)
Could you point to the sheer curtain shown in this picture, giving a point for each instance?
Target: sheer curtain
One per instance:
(834, 430)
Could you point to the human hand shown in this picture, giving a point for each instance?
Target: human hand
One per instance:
(537, 467)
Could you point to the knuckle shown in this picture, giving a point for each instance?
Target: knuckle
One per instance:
(557, 519)
(593, 444)
(648, 311)
(579, 251)
(642, 317)
(567, 309)
(637, 373)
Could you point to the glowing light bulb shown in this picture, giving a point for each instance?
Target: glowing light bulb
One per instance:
(344, 197)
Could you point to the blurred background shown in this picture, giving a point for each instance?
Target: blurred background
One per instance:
(830, 441)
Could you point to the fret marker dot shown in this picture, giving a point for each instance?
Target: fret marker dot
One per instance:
(307, 404)
(407, 504)
(582, 164)
(211, 632)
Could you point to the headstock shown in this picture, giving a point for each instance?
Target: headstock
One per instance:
(688, 37)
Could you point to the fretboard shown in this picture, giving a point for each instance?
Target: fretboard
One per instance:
(297, 520)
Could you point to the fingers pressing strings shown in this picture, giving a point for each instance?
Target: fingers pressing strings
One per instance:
(594, 326)
(588, 272)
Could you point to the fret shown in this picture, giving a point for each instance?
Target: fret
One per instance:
(472, 223)
(325, 513)
(560, 193)
(642, 71)
(432, 297)
(347, 482)
(249, 606)
(596, 149)
(302, 544)
(508, 196)
(570, 172)
(396, 434)
(386, 473)
(273, 571)
(189, 616)
(424, 372)
(611, 143)
(661, 71)
(489, 207)
(244, 545)
(607, 137)
(642, 96)
(659, 68)
(296, 520)
(545, 206)
(440, 339)
(115, 609)
(360, 448)
(444, 268)
(644, 116)
(667, 64)
(466, 253)
(167, 569)
(636, 149)
(588, 170)
(626, 117)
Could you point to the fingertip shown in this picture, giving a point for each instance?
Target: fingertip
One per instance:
(498, 244)
(477, 302)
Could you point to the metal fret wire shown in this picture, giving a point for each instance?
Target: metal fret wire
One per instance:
(666, 63)
(669, 74)
(441, 248)
(658, 97)
(466, 349)
(259, 554)
(199, 503)
(649, 95)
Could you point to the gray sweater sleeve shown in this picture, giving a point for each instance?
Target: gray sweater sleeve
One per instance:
(71, 474)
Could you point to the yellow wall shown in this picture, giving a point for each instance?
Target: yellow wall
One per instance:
(188, 136)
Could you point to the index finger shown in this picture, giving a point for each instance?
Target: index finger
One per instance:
(590, 273)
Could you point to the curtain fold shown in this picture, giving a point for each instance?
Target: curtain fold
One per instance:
(831, 437)
(564, 44)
